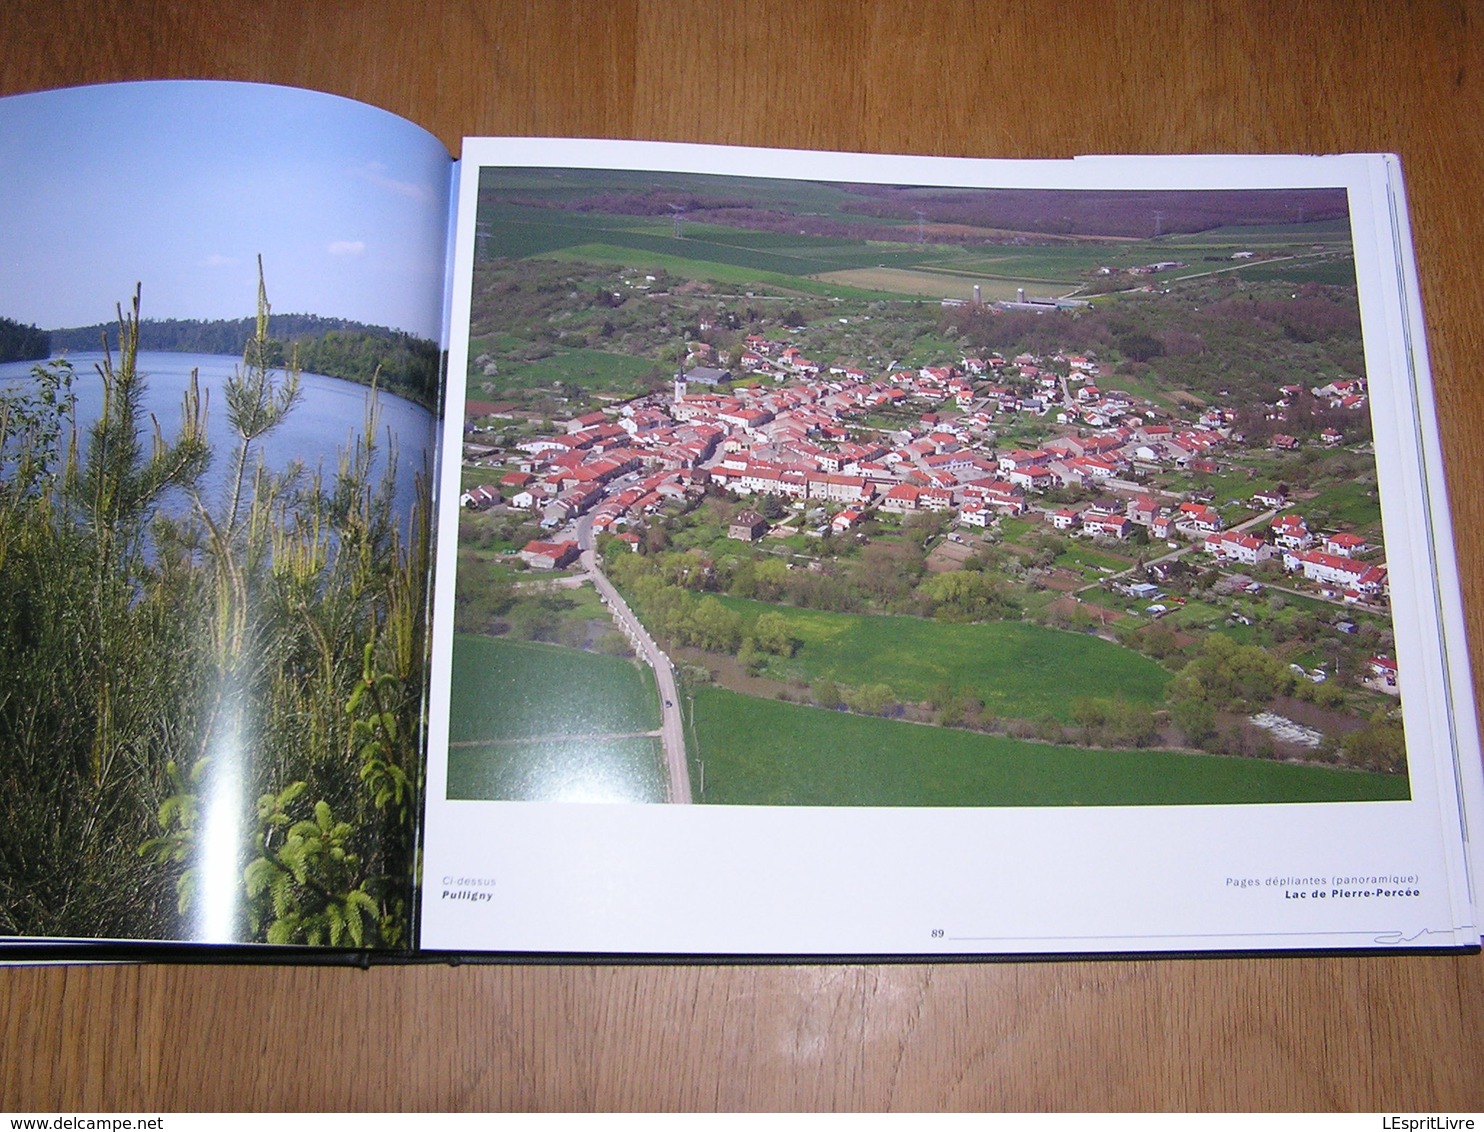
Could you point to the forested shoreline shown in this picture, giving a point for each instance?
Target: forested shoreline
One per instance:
(409, 366)
(22, 343)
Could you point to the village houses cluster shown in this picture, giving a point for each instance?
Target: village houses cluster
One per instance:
(787, 432)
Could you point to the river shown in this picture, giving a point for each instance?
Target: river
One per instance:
(329, 416)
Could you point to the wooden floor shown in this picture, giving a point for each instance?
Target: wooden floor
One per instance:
(1049, 78)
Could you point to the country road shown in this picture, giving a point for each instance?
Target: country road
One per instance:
(672, 732)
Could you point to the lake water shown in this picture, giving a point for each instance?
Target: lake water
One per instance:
(328, 418)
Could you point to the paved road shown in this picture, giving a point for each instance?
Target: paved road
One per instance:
(672, 731)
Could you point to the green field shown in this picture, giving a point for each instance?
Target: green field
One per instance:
(1049, 262)
(1080, 558)
(498, 562)
(1017, 670)
(1334, 272)
(657, 248)
(687, 261)
(761, 752)
(505, 689)
(1150, 388)
(589, 216)
(596, 369)
(1354, 503)
(619, 770)
(740, 256)
(1016, 530)
(1196, 615)
(533, 721)
(499, 343)
(1235, 484)
(757, 260)
(1334, 233)
(519, 232)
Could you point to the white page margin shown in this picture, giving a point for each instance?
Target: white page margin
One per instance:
(760, 880)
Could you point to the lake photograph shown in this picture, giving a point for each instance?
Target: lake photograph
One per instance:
(219, 375)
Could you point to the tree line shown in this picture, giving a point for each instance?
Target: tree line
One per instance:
(1209, 338)
(22, 343)
(408, 366)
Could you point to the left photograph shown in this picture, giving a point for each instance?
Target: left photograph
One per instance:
(220, 313)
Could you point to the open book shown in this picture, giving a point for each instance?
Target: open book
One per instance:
(634, 549)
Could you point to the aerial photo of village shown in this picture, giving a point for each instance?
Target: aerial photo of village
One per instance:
(793, 493)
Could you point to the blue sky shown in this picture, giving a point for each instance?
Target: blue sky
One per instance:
(180, 186)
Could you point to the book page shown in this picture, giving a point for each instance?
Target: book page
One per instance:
(859, 555)
(221, 311)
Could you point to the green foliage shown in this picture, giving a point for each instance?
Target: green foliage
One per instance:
(961, 709)
(178, 815)
(961, 595)
(712, 626)
(613, 643)
(663, 588)
(1158, 641)
(765, 579)
(303, 885)
(887, 571)
(268, 637)
(481, 597)
(1196, 718)
(375, 738)
(400, 363)
(1114, 723)
(1231, 677)
(536, 618)
(1327, 695)
(1378, 746)
(751, 658)
(772, 633)
(870, 699)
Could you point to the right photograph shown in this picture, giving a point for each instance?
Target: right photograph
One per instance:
(799, 493)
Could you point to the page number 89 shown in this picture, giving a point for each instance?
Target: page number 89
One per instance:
(937, 933)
